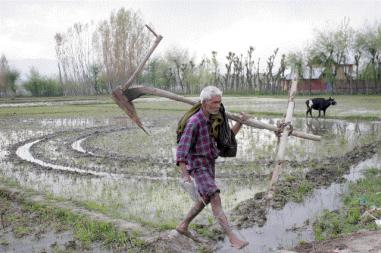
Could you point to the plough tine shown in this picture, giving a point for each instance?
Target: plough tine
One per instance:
(122, 101)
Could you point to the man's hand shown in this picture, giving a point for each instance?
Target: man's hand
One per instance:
(243, 117)
(184, 172)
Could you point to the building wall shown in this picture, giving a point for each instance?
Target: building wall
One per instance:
(340, 87)
(316, 85)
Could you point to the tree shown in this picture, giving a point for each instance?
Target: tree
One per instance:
(178, 59)
(42, 86)
(75, 56)
(295, 61)
(331, 49)
(3, 75)
(216, 72)
(311, 60)
(249, 65)
(8, 78)
(227, 78)
(280, 74)
(121, 43)
(59, 42)
(368, 42)
(269, 77)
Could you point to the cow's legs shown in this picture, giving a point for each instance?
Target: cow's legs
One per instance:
(308, 111)
(319, 113)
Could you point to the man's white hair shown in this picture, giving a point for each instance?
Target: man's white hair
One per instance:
(208, 92)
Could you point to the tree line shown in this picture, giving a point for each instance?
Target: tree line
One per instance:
(94, 58)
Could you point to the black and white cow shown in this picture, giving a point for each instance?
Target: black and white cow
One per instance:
(320, 104)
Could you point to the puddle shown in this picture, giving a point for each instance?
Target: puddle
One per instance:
(57, 242)
(285, 228)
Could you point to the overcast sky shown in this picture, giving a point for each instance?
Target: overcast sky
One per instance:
(27, 28)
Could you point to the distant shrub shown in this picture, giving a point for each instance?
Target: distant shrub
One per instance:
(41, 86)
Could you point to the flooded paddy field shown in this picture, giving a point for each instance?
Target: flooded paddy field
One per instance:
(89, 153)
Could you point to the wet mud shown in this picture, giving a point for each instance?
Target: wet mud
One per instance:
(24, 230)
(322, 173)
(365, 241)
(57, 148)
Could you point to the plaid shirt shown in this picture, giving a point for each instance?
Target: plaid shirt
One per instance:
(197, 147)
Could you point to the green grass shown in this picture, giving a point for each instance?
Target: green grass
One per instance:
(84, 229)
(87, 230)
(54, 110)
(362, 196)
(53, 99)
(348, 107)
(4, 242)
(21, 231)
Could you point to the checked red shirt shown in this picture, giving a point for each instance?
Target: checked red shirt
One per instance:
(197, 148)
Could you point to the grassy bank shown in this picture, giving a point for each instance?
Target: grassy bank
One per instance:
(363, 197)
(26, 218)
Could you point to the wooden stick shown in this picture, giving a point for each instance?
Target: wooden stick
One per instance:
(142, 90)
(141, 65)
(279, 160)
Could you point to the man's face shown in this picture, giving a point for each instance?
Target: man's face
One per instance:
(213, 105)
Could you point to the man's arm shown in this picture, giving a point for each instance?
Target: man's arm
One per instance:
(183, 148)
(184, 171)
(237, 125)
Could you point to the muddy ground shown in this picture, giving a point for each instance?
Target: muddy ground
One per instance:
(246, 214)
(364, 241)
(325, 172)
(50, 236)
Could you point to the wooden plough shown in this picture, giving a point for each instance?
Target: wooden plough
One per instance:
(124, 96)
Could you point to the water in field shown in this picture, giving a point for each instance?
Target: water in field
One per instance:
(107, 160)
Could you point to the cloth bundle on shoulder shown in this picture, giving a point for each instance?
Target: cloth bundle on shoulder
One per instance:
(220, 130)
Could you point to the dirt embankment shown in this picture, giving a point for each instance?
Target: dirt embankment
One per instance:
(366, 241)
(323, 173)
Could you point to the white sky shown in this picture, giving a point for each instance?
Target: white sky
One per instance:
(27, 28)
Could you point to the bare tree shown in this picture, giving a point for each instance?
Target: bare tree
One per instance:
(227, 78)
(269, 72)
(75, 56)
(216, 71)
(178, 60)
(121, 43)
(249, 65)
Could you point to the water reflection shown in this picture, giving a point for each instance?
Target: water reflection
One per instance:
(338, 137)
(287, 227)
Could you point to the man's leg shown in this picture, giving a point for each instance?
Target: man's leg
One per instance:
(196, 209)
(215, 201)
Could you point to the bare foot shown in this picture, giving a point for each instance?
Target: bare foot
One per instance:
(237, 243)
(183, 230)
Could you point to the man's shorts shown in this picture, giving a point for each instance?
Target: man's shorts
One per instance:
(205, 181)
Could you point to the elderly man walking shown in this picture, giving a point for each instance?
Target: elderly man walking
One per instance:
(196, 154)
